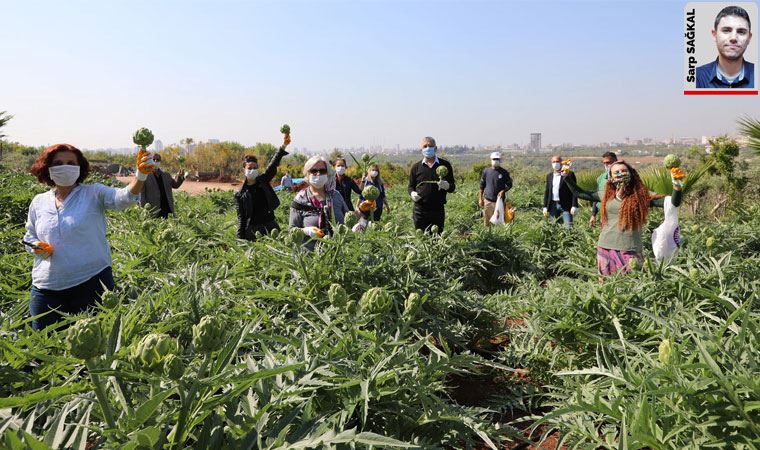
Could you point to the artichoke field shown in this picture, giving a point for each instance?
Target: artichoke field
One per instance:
(383, 339)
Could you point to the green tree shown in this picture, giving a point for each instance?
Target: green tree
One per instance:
(751, 129)
(4, 119)
(265, 152)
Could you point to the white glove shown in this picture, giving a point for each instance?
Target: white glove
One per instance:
(415, 196)
(313, 232)
(676, 183)
(360, 226)
(546, 212)
(141, 176)
(186, 174)
(443, 185)
(573, 210)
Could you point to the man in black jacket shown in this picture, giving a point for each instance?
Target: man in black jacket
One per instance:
(256, 199)
(428, 192)
(559, 200)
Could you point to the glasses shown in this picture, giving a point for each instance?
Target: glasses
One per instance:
(318, 171)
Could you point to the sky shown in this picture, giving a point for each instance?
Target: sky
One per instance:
(351, 73)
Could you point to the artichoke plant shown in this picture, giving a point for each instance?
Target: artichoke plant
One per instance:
(412, 305)
(375, 301)
(173, 367)
(337, 295)
(85, 339)
(208, 334)
(143, 137)
(664, 351)
(152, 351)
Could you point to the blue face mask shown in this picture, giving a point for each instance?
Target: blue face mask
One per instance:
(428, 152)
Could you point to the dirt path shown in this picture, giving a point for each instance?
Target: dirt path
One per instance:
(196, 187)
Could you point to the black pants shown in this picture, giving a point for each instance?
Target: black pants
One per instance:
(261, 228)
(425, 218)
(71, 300)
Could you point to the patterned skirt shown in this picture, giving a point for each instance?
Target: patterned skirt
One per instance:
(612, 261)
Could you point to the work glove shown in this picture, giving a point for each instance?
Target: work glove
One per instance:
(360, 226)
(186, 174)
(144, 165)
(415, 196)
(367, 205)
(443, 185)
(573, 210)
(313, 232)
(43, 250)
(676, 176)
(566, 167)
(546, 212)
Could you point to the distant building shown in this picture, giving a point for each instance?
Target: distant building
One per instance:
(535, 142)
(213, 141)
(158, 145)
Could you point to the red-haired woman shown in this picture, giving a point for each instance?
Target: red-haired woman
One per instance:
(625, 204)
(66, 228)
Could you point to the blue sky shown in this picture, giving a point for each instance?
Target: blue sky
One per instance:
(350, 73)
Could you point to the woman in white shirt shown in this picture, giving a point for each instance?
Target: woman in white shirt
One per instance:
(67, 229)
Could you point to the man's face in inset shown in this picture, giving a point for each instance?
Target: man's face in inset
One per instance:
(732, 37)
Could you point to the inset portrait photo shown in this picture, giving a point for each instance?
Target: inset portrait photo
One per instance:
(720, 54)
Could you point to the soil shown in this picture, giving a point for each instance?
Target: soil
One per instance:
(197, 187)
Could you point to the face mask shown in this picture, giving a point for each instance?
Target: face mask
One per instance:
(428, 152)
(317, 180)
(64, 175)
(156, 164)
(340, 170)
(373, 173)
(251, 173)
(621, 179)
(556, 166)
(495, 162)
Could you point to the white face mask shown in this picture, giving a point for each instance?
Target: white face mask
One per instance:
(64, 175)
(495, 163)
(340, 170)
(374, 173)
(317, 180)
(556, 166)
(156, 164)
(251, 173)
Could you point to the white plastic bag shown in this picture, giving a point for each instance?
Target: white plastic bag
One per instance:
(498, 213)
(667, 237)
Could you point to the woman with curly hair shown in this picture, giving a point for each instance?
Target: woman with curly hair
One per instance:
(66, 232)
(625, 204)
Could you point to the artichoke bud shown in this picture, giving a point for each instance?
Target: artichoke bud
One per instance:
(143, 137)
(412, 304)
(371, 193)
(366, 158)
(693, 273)
(85, 339)
(442, 171)
(633, 263)
(664, 351)
(337, 295)
(285, 129)
(375, 301)
(152, 351)
(208, 334)
(671, 161)
(710, 242)
(174, 368)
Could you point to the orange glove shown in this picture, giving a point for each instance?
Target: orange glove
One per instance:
(286, 140)
(367, 205)
(677, 173)
(313, 232)
(144, 163)
(43, 250)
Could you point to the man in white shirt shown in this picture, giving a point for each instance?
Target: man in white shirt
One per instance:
(559, 200)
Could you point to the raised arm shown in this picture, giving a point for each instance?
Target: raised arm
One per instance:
(271, 169)
(580, 193)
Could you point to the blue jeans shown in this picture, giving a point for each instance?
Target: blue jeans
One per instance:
(556, 211)
(71, 300)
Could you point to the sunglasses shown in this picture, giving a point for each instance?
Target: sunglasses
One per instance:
(318, 171)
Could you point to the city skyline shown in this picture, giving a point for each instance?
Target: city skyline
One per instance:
(345, 75)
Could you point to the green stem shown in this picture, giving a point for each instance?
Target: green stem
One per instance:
(185, 401)
(100, 393)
